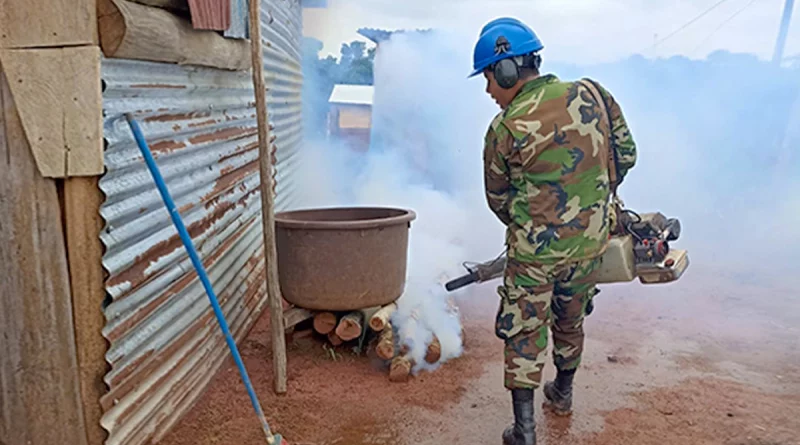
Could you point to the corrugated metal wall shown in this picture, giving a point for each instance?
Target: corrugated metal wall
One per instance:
(201, 125)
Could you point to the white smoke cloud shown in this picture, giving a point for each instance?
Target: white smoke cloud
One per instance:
(707, 134)
(429, 121)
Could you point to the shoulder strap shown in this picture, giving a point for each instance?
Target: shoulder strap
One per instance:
(606, 117)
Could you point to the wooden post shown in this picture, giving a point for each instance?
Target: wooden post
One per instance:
(82, 225)
(41, 398)
(267, 210)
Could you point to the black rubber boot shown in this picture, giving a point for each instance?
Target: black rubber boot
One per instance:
(559, 393)
(523, 431)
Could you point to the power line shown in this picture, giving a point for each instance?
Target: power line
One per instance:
(722, 25)
(686, 25)
(780, 44)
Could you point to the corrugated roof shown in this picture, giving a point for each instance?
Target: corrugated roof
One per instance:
(239, 28)
(382, 35)
(352, 94)
(164, 343)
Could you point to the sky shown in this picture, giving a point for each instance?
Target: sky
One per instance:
(578, 31)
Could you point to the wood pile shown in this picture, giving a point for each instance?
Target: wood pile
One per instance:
(371, 331)
(344, 328)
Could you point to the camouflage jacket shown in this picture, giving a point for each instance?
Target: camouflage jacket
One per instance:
(546, 171)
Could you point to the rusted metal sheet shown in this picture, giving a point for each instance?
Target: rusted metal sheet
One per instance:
(282, 31)
(210, 14)
(164, 343)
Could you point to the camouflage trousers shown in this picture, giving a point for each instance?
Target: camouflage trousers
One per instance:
(535, 300)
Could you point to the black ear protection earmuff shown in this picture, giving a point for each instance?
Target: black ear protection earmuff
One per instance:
(506, 71)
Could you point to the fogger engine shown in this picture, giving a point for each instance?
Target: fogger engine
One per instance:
(639, 248)
(652, 233)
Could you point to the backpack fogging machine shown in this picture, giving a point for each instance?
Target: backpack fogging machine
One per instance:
(638, 246)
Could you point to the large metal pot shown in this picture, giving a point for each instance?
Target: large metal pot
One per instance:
(341, 259)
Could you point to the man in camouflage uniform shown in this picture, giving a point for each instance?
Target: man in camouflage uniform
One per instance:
(546, 167)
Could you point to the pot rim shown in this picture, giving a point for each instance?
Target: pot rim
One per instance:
(285, 219)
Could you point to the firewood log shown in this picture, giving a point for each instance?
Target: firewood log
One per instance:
(324, 322)
(434, 352)
(369, 313)
(130, 30)
(334, 339)
(400, 369)
(350, 326)
(385, 347)
(379, 320)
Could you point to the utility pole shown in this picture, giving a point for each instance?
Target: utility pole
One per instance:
(783, 32)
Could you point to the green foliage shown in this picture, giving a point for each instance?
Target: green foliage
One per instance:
(354, 67)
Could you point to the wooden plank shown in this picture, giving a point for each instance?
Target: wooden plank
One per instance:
(295, 316)
(41, 23)
(267, 202)
(130, 30)
(82, 200)
(58, 93)
(40, 401)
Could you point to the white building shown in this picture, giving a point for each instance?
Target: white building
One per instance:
(350, 115)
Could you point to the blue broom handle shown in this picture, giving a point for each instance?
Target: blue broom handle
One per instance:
(198, 265)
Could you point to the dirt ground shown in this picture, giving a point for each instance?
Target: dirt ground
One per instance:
(712, 359)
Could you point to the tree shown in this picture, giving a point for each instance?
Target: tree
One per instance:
(355, 64)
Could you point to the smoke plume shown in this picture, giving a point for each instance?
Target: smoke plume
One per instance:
(718, 147)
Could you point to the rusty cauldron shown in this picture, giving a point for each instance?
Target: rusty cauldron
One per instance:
(341, 259)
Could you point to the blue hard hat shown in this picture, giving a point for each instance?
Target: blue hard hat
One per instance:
(520, 40)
